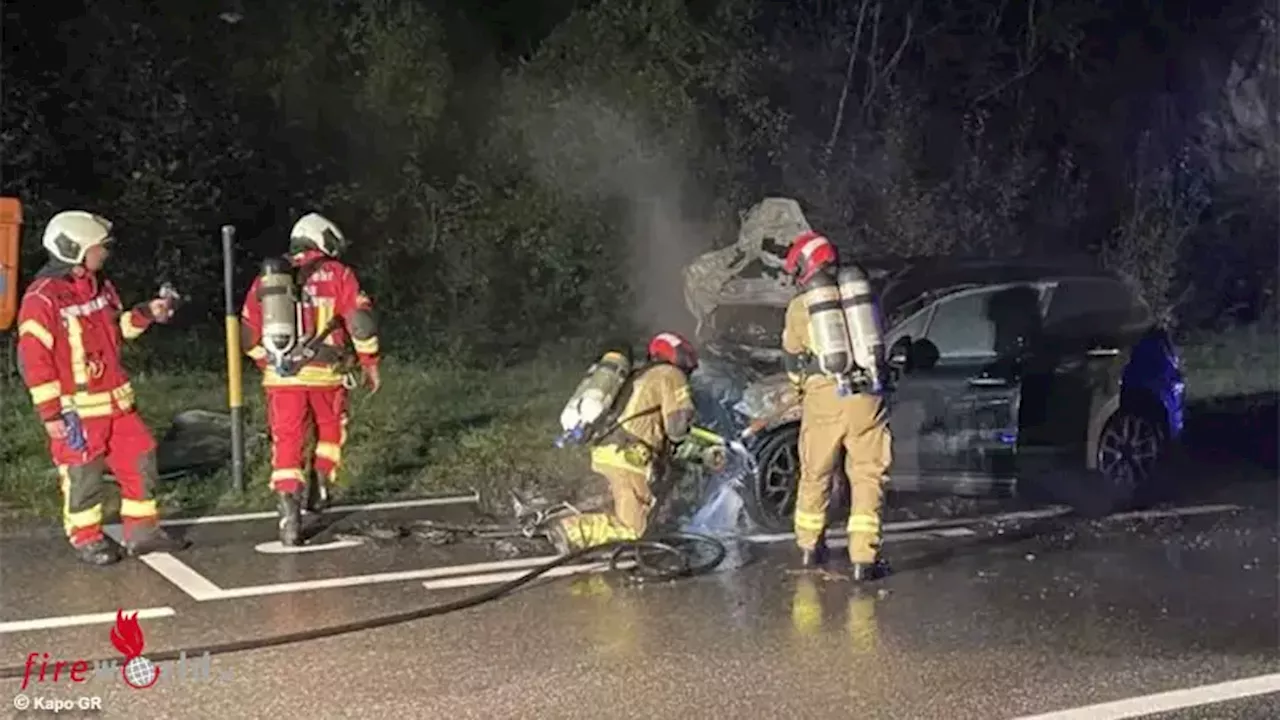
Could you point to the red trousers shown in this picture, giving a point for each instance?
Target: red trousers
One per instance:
(122, 444)
(288, 412)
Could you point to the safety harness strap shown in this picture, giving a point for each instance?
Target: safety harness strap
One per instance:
(614, 427)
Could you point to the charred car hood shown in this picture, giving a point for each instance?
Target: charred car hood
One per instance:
(738, 297)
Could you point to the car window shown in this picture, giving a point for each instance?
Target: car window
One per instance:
(914, 326)
(960, 327)
(1095, 304)
(979, 323)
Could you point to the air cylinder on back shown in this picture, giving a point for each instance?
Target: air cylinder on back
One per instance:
(594, 396)
(865, 324)
(828, 333)
(279, 309)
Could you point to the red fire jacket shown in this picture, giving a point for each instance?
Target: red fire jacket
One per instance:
(71, 327)
(330, 290)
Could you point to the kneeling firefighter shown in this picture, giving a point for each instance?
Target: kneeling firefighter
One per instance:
(834, 353)
(295, 323)
(633, 419)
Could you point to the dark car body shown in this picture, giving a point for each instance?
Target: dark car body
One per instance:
(1016, 374)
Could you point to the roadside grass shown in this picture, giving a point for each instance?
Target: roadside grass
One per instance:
(1242, 361)
(433, 428)
(440, 427)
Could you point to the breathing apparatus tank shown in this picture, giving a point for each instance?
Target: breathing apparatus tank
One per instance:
(866, 326)
(279, 310)
(594, 396)
(827, 329)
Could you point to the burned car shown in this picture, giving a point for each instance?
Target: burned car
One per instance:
(1032, 377)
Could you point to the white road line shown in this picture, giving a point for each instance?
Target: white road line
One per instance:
(64, 621)
(379, 578)
(457, 575)
(197, 586)
(1175, 512)
(271, 514)
(1145, 705)
(1046, 513)
(201, 589)
(502, 577)
(275, 547)
(182, 575)
(911, 525)
(840, 538)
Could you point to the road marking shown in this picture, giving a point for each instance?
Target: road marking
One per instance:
(201, 589)
(502, 577)
(182, 575)
(1145, 705)
(1051, 512)
(64, 621)
(197, 586)
(379, 578)
(1175, 512)
(839, 538)
(474, 497)
(275, 547)
(912, 525)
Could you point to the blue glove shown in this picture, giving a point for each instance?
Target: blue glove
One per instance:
(75, 432)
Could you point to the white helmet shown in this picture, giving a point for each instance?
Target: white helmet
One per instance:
(317, 231)
(71, 233)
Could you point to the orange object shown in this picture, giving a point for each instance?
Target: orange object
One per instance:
(10, 237)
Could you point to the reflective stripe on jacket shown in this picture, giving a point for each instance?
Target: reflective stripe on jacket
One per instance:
(71, 329)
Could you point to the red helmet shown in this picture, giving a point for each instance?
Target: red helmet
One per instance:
(809, 253)
(671, 348)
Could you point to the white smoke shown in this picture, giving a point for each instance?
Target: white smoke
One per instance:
(595, 152)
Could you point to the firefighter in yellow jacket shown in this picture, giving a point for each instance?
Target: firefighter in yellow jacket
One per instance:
(654, 412)
(834, 354)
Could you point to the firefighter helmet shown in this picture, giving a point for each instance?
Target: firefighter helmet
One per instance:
(809, 253)
(671, 348)
(315, 231)
(71, 233)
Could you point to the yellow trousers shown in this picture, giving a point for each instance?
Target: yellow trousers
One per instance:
(858, 427)
(630, 484)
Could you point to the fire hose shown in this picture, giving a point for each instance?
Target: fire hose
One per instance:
(665, 556)
(639, 553)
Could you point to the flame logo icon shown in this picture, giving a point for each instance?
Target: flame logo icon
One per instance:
(138, 672)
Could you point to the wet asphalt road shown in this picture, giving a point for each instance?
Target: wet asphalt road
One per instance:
(1018, 619)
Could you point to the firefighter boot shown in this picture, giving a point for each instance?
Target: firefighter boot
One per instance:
(814, 556)
(100, 552)
(868, 572)
(149, 539)
(558, 536)
(317, 494)
(289, 509)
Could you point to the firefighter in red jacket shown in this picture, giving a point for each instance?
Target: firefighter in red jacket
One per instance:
(71, 325)
(299, 343)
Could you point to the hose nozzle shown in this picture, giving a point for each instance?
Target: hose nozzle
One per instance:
(752, 430)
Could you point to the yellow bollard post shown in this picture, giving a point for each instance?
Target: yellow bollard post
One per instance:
(235, 400)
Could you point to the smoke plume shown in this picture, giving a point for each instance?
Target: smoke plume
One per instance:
(596, 152)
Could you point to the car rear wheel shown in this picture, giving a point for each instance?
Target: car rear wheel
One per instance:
(772, 499)
(1130, 449)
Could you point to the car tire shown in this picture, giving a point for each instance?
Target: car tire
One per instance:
(771, 499)
(1132, 448)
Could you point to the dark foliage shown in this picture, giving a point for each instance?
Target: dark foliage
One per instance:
(516, 172)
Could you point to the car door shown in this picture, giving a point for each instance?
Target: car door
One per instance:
(1072, 373)
(907, 405)
(961, 414)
